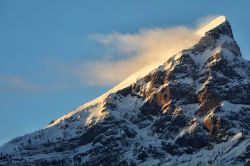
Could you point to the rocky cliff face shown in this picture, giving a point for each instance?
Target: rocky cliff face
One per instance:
(192, 110)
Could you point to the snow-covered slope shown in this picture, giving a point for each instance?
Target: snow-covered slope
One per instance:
(192, 109)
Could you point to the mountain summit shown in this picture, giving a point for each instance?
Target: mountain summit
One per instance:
(193, 109)
(213, 24)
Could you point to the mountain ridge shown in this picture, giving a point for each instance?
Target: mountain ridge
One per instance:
(192, 109)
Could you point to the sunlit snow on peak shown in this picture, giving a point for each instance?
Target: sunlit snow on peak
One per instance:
(212, 24)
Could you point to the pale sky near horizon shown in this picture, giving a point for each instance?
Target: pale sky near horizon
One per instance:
(41, 40)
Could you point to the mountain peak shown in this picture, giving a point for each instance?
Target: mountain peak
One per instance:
(219, 24)
(192, 110)
(212, 24)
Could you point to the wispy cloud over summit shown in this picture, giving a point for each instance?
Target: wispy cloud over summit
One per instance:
(129, 53)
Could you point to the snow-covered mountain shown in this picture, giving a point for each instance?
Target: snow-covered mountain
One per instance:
(193, 109)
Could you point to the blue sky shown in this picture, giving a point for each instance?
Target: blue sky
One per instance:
(40, 40)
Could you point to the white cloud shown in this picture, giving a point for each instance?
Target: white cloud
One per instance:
(125, 54)
(17, 83)
(131, 52)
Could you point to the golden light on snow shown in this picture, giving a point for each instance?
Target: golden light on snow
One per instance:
(214, 23)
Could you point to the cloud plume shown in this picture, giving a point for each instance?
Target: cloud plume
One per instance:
(128, 53)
